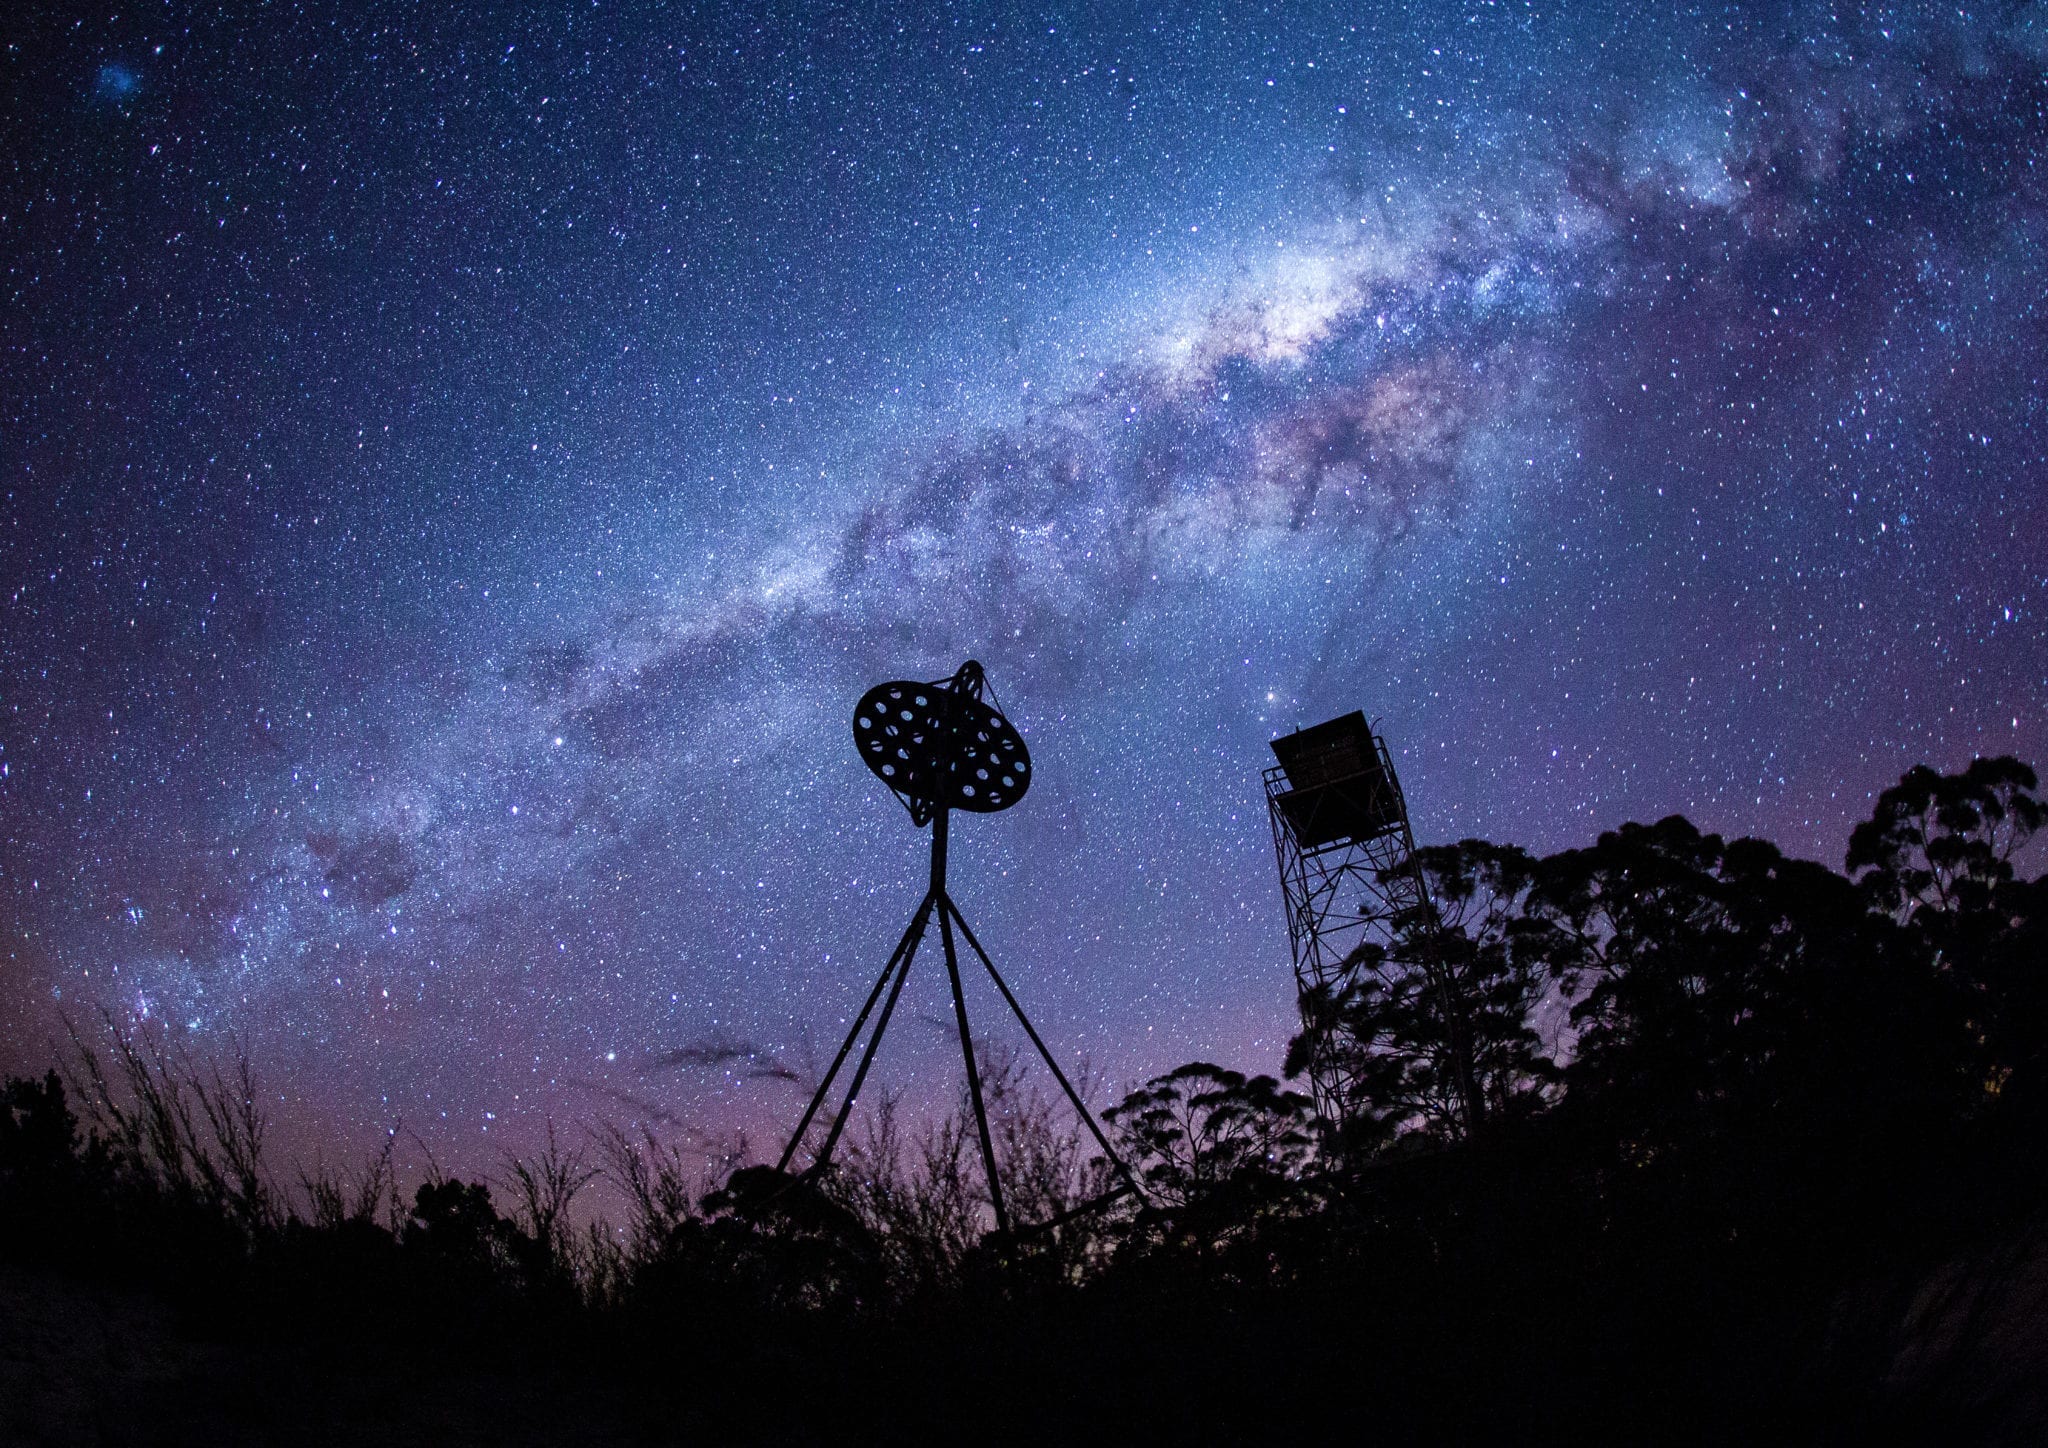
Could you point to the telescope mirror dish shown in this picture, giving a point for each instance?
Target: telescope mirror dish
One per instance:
(938, 746)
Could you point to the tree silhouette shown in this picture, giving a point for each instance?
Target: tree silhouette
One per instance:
(38, 1133)
(1793, 1134)
(1938, 854)
(456, 1231)
(1945, 842)
(1435, 1025)
(1200, 1133)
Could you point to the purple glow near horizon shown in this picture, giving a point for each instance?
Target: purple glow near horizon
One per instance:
(462, 468)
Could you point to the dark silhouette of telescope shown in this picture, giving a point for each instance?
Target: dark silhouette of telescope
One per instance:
(941, 746)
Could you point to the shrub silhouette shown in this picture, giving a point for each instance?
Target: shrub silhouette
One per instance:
(1783, 1100)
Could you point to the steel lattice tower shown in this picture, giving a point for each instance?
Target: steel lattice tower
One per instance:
(1346, 856)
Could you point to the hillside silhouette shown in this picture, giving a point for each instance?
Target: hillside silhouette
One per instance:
(1677, 1139)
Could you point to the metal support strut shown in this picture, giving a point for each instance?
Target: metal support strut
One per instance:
(893, 975)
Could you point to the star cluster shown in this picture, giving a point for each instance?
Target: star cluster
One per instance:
(461, 464)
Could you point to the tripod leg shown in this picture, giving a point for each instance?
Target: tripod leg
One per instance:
(867, 1058)
(846, 1047)
(988, 1150)
(1080, 1107)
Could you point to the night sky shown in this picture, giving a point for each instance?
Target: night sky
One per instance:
(459, 465)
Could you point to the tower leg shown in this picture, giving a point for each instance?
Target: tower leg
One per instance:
(1080, 1107)
(906, 951)
(846, 1047)
(988, 1150)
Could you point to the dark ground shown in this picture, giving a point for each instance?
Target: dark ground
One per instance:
(1965, 1360)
